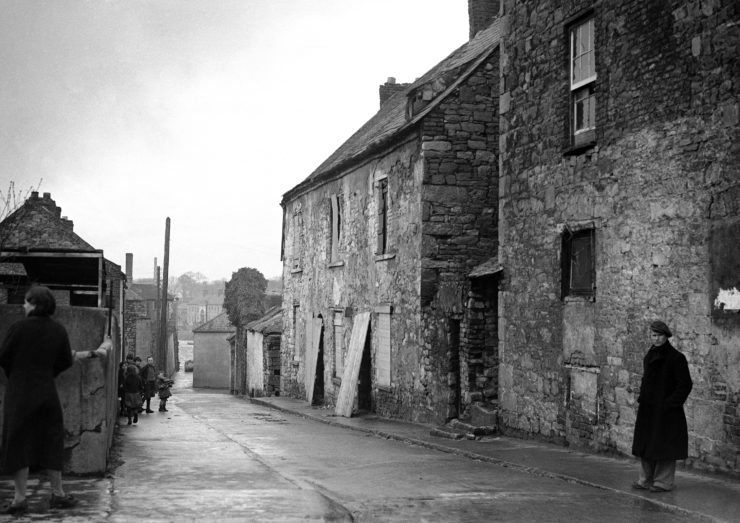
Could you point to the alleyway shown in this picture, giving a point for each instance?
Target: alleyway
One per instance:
(217, 457)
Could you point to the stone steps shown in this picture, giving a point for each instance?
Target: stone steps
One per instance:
(482, 422)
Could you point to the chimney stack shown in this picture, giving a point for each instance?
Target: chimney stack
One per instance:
(155, 274)
(129, 267)
(389, 88)
(481, 13)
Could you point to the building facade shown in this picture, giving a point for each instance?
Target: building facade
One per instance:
(619, 202)
(391, 225)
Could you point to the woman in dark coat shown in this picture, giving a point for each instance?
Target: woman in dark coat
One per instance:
(35, 350)
(661, 436)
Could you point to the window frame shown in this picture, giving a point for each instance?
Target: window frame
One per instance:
(580, 137)
(567, 263)
(383, 207)
(335, 221)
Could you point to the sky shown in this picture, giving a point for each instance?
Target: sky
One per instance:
(203, 111)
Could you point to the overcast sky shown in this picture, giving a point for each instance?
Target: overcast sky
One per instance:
(206, 111)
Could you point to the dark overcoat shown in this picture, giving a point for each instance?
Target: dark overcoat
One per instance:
(35, 350)
(149, 380)
(660, 430)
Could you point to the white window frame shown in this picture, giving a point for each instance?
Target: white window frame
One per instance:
(585, 83)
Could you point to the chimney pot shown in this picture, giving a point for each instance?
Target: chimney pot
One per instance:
(129, 267)
(34, 195)
(391, 80)
(47, 196)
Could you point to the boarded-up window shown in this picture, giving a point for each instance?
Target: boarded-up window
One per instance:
(338, 343)
(382, 246)
(296, 333)
(383, 348)
(578, 271)
(336, 226)
(297, 241)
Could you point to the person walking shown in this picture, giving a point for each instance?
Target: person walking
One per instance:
(149, 381)
(661, 434)
(35, 350)
(132, 393)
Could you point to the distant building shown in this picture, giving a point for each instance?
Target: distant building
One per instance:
(263, 354)
(212, 353)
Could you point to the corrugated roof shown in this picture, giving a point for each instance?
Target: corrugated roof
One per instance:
(270, 323)
(391, 120)
(220, 323)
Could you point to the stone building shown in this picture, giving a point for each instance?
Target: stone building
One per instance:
(392, 224)
(619, 204)
(262, 360)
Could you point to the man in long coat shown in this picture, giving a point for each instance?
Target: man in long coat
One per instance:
(661, 435)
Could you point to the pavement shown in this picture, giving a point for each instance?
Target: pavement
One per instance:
(706, 497)
(137, 486)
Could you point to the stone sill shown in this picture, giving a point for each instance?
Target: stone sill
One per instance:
(332, 265)
(296, 271)
(384, 257)
(581, 143)
(384, 388)
(583, 368)
(579, 299)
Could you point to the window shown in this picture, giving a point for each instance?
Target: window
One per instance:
(582, 82)
(382, 247)
(383, 349)
(578, 269)
(336, 226)
(297, 240)
(338, 343)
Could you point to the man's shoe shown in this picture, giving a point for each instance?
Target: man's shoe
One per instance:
(15, 509)
(129, 422)
(639, 486)
(656, 488)
(67, 501)
(149, 411)
(136, 418)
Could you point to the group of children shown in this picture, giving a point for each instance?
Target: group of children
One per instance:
(137, 386)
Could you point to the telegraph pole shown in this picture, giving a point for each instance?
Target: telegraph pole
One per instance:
(164, 306)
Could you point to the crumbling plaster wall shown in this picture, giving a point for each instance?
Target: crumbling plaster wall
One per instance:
(359, 280)
(88, 391)
(656, 188)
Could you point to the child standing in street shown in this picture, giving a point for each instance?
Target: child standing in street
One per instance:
(163, 385)
(132, 393)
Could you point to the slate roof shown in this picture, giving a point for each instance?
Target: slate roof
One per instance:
(220, 323)
(38, 225)
(144, 291)
(391, 121)
(270, 323)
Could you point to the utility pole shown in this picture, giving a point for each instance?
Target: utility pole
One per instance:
(163, 302)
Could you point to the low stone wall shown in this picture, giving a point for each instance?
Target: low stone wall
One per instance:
(88, 390)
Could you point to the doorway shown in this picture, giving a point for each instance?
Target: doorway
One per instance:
(364, 383)
(318, 387)
(453, 350)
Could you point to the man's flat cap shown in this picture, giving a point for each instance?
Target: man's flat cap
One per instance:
(661, 328)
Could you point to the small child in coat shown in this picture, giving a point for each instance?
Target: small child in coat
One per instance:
(163, 385)
(132, 393)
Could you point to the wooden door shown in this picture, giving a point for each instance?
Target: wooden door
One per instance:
(347, 391)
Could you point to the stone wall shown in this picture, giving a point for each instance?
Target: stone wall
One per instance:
(459, 215)
(88, 390)
(659, 188)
